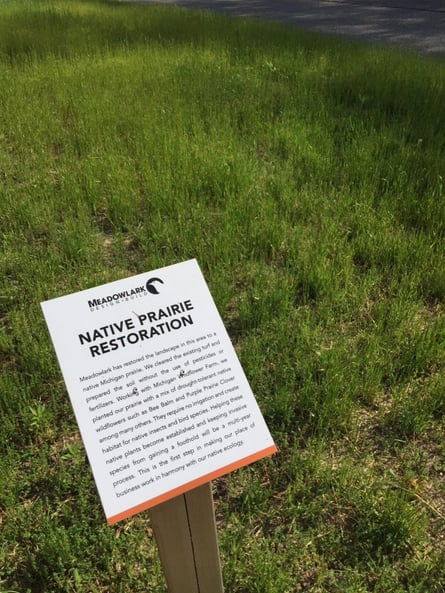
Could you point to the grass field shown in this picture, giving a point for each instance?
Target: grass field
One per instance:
(305, 174)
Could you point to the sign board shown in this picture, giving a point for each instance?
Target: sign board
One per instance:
(160, 397)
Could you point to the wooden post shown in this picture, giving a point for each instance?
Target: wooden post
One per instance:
(185, 532)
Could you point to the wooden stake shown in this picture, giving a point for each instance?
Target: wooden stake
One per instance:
(185, 532)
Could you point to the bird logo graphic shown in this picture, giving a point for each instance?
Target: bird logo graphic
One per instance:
(150, 286)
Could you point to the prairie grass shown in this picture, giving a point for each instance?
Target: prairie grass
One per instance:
(306, 176)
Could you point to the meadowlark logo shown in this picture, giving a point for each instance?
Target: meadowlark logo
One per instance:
(150, 287)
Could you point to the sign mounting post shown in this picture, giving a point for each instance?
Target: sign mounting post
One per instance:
(185, 531)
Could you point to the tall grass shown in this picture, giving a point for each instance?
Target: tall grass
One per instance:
(306, 176)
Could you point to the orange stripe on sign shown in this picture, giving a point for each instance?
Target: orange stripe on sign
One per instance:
(192, 484)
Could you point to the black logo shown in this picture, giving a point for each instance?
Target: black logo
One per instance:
(149, 286)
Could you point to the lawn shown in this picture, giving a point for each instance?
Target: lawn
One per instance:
(306, 176)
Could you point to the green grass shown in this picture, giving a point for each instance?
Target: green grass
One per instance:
(306, 176)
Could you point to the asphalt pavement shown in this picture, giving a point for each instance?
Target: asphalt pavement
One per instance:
(414, 24)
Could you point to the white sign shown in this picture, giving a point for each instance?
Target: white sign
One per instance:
(160, 397)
